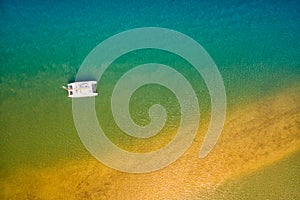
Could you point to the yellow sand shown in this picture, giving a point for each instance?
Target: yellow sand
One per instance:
(254, 136)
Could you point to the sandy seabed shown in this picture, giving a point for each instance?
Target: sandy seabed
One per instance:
(254, 136)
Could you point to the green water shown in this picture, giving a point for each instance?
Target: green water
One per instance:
(279, 181)
(36, 115)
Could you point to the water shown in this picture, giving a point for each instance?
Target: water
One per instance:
(42, 44)
(266, 183)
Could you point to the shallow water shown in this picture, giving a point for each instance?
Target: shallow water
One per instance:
(278, 181)
(254, 44)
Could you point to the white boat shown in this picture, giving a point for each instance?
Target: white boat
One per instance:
(81, 89)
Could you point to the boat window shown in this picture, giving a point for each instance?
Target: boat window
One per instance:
(94, 88)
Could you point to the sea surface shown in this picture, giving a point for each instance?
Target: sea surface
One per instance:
(255, 45)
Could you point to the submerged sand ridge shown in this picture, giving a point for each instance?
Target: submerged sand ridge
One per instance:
(254, 136)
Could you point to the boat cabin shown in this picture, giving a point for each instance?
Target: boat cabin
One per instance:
(82, 89)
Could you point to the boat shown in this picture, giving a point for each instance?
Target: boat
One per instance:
(81, 89)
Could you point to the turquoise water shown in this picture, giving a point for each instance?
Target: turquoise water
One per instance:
(255, 45)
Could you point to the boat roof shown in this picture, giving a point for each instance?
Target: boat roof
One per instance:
(82, 89)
